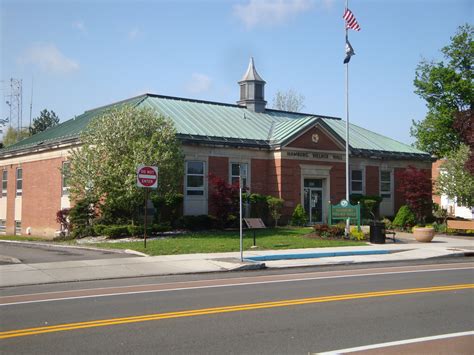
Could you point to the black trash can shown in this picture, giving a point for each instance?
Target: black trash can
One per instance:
(377, 232)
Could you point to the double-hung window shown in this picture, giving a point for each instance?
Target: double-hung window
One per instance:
(357, 181)
(237, 170)
(65, 178)
(386, 184)
(19, 181)
(195, 178)
(4, 182)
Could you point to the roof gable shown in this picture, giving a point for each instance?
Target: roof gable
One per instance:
(316, 138)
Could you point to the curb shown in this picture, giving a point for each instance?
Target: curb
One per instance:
(9, 260)
(315, 255)
(116, 251)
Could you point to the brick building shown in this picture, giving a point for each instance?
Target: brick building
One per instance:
(295, 156)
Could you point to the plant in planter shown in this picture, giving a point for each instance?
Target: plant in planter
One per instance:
(423, 234)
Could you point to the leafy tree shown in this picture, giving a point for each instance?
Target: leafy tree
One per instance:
(288, 101)
(45, 120)
(113, 145)
(455, 181)
(14, 135)
(275, 205)
(464, 124)
(415, 185)
(447, 88)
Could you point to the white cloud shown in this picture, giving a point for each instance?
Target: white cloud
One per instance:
(270, 12)
(133, 33)
(198, 83)
(49, 59)
(79, 25)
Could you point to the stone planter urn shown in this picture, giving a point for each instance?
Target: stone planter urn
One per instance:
(423, 234)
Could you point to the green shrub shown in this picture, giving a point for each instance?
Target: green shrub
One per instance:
(116, 231)
(167, 209)
(439, 227)
(200, 222)
(136, 231)
(299, 216)
(99, 228)
(81, 217)
(405, 218)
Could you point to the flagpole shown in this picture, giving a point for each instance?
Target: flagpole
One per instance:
(347, 129)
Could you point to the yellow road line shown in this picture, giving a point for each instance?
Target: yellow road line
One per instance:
(225, 309)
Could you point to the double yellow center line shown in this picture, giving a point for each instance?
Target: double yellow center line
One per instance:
(225, 309)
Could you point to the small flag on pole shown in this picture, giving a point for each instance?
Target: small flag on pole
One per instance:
(349, 51)
(351, 22)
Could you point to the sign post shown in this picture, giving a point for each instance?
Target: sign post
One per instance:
(147, 177)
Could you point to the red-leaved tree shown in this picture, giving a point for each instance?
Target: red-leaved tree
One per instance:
(224, 199)
(416, 187)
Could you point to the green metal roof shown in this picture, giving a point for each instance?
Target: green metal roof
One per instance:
(212, 122)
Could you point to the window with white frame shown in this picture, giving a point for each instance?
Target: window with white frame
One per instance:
(236, 169)
(357, 181)
(3, 225)
(4, 182)
(19, 181)
(65, 178)
(386, 184)
(195, 178)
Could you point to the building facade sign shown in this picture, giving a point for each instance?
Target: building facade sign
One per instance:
(297, 154)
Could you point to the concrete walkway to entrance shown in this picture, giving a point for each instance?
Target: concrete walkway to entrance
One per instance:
(135, 266)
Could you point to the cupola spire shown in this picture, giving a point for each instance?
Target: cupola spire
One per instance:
(252, 93)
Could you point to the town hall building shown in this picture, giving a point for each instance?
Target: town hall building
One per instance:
(298, 157)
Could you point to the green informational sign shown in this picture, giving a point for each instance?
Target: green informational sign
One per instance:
(343, 211)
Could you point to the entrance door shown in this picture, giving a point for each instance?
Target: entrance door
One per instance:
(313, 200)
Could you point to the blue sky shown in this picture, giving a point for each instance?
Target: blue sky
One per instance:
(84, 54)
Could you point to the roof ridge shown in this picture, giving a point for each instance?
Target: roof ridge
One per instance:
(304, 114)
(194, 100)
(143, 96)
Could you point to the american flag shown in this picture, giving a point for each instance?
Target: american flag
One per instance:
(351, 21)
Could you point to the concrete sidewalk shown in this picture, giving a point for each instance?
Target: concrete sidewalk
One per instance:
(82, 270)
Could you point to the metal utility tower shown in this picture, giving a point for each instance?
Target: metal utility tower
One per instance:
(15, 102)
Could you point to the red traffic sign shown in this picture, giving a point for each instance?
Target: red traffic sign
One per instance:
(147, 176)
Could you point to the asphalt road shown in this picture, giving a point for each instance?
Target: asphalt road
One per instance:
(296, 312)
(34, 253)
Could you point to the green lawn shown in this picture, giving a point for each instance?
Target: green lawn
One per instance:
(216, 242)
(24, 238)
